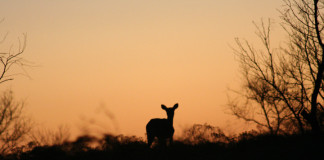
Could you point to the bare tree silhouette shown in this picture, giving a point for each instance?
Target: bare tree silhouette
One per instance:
(11, 58)
(283, 87)
(13, 125)
(161, 128)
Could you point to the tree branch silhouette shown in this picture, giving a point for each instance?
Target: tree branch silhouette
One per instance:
(285, 82)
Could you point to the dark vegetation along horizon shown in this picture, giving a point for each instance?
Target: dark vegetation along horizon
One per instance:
(282, 94)
(201, 141)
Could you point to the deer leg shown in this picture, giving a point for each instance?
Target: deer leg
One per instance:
(150, 140)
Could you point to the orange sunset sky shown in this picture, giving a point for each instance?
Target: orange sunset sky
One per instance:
(108, 65)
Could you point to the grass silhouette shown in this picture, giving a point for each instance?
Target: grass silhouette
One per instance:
(247, 145)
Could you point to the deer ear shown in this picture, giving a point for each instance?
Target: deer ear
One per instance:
(175, 106)
(163, 107)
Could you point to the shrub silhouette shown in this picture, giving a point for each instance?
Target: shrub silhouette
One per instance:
(200, 142)
(204, 133)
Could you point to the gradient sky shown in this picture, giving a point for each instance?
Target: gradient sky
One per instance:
(113, 63)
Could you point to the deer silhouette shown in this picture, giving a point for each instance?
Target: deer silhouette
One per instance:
(161, 128)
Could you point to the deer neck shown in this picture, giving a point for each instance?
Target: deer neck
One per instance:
(170, 120)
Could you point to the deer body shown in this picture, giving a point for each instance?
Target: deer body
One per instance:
(161, 128)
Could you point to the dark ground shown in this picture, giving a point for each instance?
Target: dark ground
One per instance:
(258, 147)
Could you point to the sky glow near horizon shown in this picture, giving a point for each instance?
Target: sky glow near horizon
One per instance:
(107, 66)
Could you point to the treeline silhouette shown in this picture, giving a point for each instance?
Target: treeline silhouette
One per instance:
(201, 141)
